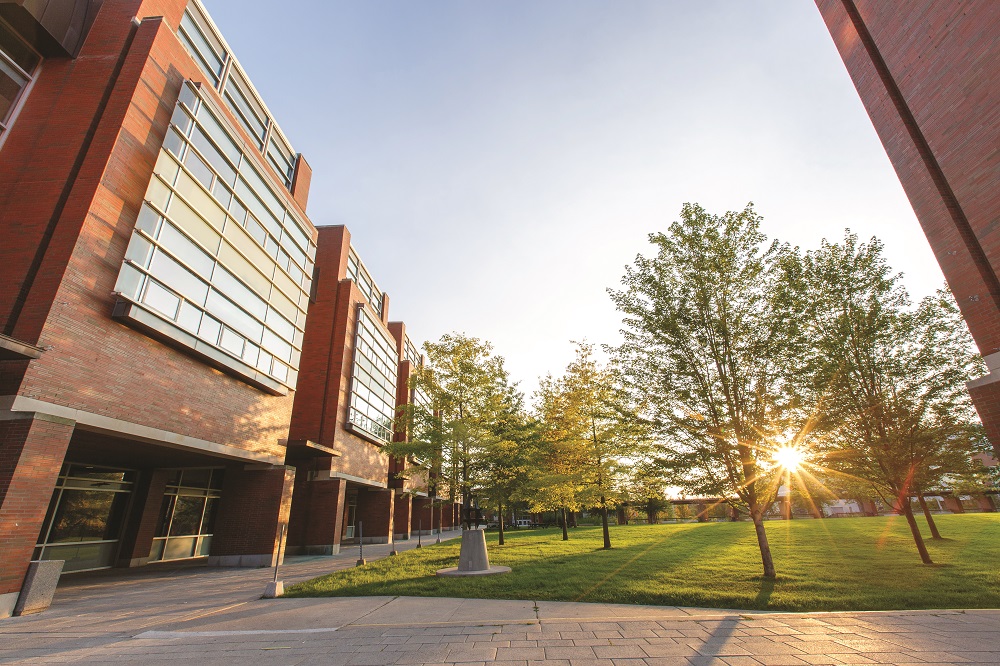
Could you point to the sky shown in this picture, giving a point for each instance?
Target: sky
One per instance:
(499, 163)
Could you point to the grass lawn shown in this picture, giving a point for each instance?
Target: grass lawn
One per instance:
(840, 564)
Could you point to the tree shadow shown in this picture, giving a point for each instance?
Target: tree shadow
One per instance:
(764, 595)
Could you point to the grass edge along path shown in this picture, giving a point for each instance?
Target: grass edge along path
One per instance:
(823, 565)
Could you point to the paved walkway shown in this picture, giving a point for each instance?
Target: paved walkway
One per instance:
(215, 616)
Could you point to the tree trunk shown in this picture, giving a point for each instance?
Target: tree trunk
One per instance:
(927, 514)
(925, 557)
(765, 548)
(500, 513)
(565, 523)
(604, 524)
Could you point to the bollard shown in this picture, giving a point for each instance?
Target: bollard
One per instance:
(361, 544)
(276, 587)
(420, 528)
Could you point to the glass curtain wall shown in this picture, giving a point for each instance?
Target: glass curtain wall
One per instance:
(216, 252)
(202, 39)
(86, 516)
(373, 380)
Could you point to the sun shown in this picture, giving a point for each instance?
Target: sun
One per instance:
(789, 457)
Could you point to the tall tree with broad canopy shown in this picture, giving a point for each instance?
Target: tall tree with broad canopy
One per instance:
(889, 379)
(466, 392)
(710, 345)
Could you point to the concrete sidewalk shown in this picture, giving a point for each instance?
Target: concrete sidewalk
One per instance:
(215, 616)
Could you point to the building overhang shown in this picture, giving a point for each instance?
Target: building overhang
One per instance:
(12, 349)
(309, 448)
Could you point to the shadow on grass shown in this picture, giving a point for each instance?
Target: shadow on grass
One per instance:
(764, 595)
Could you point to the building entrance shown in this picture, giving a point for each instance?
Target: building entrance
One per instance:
(85, 518)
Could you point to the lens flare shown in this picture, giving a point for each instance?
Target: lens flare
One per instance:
(789, 457)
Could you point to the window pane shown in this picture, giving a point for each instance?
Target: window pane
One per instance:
(87, 515)
(187, 516)
(160, 299)
(15, 49)
(177, 277)
(11, 83)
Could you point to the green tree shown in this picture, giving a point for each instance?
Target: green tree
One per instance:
(711, 345)
(465, 390)
(502, 467)
(556, 471)
(888, 379)
(587, 408)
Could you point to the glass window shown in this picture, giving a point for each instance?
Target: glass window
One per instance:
(245, 107)
(181, 247)
(17, 64)
(199, 169)
(17, 51)
(232, 342)
(373, 382)
(207, 52)
(168, 271)
(161, 299)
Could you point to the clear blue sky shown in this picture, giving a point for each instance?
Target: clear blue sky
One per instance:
(499, 162)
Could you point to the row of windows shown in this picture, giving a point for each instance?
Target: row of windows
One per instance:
(357, 272)
(410, 351)
(373, 383)
(215, 160)
(209, 51)
(214, 250)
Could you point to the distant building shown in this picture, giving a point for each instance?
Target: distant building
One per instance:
(928, 73)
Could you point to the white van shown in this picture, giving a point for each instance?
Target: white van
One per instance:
(522, 523)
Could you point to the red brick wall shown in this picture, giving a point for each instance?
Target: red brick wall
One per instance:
(376, 509)
(321, 409)
(317, 512)
(945, 62)
(31, 453)
(255, 503)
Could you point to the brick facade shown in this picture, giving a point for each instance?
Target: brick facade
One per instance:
(929, 78)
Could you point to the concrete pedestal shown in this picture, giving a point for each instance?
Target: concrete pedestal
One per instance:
(473, 560)
(274, 589)
(39, 586)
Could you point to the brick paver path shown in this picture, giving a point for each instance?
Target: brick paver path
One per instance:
(210, 616)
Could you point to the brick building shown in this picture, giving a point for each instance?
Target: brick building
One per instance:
(156, 270)
(929, 77)
(351, 384)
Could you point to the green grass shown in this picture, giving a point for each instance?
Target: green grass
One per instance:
(842, 564)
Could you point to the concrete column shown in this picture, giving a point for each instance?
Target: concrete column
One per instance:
(32, 450)
(137, 538)
(255, 504)
(953, 504)
(401, 521)
(375, 510)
